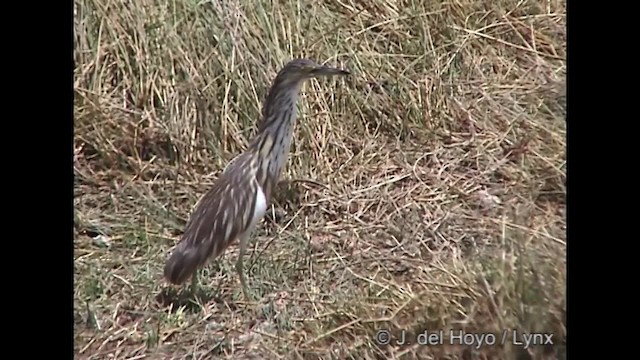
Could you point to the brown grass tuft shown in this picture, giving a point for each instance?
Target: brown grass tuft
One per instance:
(436, 198)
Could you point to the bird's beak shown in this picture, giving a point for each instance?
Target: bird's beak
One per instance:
(328, 71)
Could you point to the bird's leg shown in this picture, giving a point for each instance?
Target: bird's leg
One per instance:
(239, 265)
(194, 283)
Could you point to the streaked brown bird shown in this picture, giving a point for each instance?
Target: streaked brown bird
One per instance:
(232, 208)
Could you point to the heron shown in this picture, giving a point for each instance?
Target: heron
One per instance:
(238, 200)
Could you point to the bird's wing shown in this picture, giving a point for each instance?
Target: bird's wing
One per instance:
(222, 214)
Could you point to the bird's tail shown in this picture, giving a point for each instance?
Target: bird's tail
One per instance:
(182, 263)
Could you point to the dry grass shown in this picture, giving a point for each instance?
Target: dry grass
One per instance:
(441, 161)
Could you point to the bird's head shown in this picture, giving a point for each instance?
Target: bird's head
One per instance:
(299, 70)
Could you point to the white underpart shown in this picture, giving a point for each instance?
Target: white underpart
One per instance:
(258, 213)
(227, 232)
(260, 209)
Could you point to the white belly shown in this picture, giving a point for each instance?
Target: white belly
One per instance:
(260, 209)
(258, 213)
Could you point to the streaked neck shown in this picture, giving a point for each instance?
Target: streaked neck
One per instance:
(281, 99)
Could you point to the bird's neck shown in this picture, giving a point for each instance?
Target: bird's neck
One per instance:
(280, 100)
(278, 118)
(275, 132)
